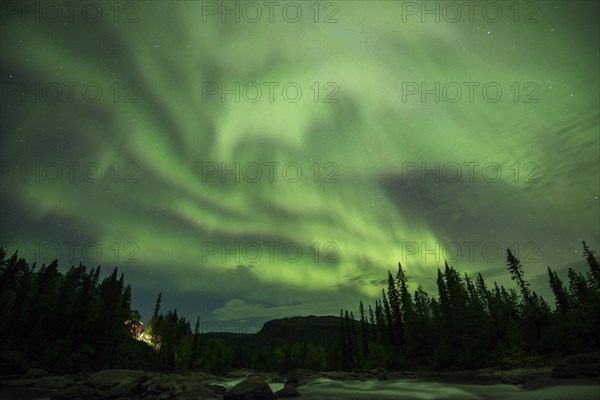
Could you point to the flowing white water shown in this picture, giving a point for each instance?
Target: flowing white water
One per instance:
(325, 389)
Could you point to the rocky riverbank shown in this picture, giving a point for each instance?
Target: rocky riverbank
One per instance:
(246, 385)
(135, 384)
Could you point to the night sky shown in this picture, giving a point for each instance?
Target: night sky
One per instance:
(280, 165)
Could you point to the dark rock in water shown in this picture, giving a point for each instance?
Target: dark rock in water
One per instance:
(12, 363)
(526, 377)
(241, 373)
(216, 389)
(333, 375)
(585, 365)
(277, 379)
(109, 378)
(116, 382)
(126, 384)
(252, 388)
(300, 377)
(288, 391)
(34, 373)
(131, 384)
(110, 383)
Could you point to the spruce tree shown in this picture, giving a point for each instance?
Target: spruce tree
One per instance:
(560, 294)
(405, 299)
(516, 272)
(380, 323)
(593, 264)
(373, 324)
(364, 330)
(343, 341)
(578, 287)
(396, 323)
(389, 320)
(196, 342)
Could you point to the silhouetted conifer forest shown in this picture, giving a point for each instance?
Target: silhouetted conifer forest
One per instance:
(73, 321)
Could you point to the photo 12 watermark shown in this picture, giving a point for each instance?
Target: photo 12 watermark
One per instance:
(68, 92)
(68, 13)
(229, 327)
(269, 172)
(293, 12)
(471, 251)
(492, 12)
(72, 172)
(88, 253)
(469, 171)
(469, 92)
(270, 252)
(271, 91)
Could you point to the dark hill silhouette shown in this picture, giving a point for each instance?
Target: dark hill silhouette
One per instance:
(319, 330)
(323, 330)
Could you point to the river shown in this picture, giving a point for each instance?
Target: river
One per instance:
(412, 389)
(403, 389)
(325, 389)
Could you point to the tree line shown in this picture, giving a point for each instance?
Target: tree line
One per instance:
(74, 321)
(181, 349)
(70, 321)
(470, 324)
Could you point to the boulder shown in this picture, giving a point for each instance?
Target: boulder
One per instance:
(333, 375)
(300, 377)
(216, 388)
(114, 377)
(586, 365)
(252, 388)
(159, 385)
(34, 373)
(287, 391)
(240, 373)
(277, 379)
(116, 382)
(200, 391)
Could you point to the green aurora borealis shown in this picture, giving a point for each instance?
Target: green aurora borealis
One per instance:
(365, 209)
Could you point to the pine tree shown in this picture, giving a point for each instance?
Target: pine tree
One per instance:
(405, 299)
(395, 323)
(422, 346)
(578, 287)
(380, 323)
(442, 290)
(373, 324)
(343, 341)
(484, 294)
(127, 297)
(516, 271)
(560, 294)
(348, 344)
(389, 320)
(354, 341)
(154, 325)
(593, 264)
(157, 306)
(196, 342)
(364, 330)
